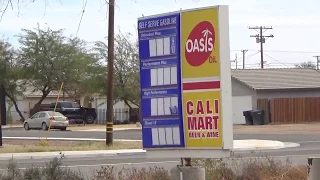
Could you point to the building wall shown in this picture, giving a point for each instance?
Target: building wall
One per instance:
(239, 89)
(28, 103)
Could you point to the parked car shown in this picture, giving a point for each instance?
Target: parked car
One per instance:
(41, 120)
(74, 111)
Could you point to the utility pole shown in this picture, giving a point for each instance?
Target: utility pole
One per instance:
(109, 123)
(236, 61)
(318, 61)
(260, 38)
(243, 57)
(3, 117)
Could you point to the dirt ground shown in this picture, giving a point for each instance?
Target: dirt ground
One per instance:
(38, 142)
(313, 128)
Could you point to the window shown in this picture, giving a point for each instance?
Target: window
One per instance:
(35, 116)
(75, 105)
(42, 115)
(69, 105)
(55, 113)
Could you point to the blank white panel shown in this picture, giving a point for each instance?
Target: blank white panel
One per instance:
(154, 107)
(154, 77)
(155, 136)
(162, 136)
(152, 47)
(160, 76)
(174, 76)
(176, 135)
(169, 137)
(167, 104)
(174, 101)
(166, 76)
(160, 107)
(159, 47)
(166, 46)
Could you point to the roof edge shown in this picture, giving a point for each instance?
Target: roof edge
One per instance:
(288, 89)
(247, 85)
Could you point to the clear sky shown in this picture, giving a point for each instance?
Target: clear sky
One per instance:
(296, 24)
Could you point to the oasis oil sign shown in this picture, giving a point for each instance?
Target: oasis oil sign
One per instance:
(201, 79)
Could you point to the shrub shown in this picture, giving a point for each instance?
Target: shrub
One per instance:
(111, 173)
(52, 171)
(216, 169)
(251, 169)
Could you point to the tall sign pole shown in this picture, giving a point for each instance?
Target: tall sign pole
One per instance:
(109, 123)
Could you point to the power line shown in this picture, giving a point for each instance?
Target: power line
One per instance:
(276, 51)
(236, 61)
(275, 59)
(82, 14)
(260, 38)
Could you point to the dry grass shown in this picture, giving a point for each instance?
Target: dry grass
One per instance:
(216, 169)
(311, 128)
(100, 127)
(253, 169)
(50, 146)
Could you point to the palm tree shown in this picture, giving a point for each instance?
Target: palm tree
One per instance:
(205, 33)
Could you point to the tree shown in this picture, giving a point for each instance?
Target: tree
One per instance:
(85, 72)
(126, 68)
(308, 64)
(50, 58)
(11, 74)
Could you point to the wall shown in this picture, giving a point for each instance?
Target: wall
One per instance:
(29, 102)
(14, 114)
(239, 89)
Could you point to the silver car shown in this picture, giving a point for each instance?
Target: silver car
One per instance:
(41, 120)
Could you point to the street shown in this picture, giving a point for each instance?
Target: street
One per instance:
(136, 135)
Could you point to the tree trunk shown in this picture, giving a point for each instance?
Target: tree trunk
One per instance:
(36, 107)
(126, 101)
(16, 106)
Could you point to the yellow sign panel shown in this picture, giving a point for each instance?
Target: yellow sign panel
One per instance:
(200, 43)
(202, 119)
(201, 79)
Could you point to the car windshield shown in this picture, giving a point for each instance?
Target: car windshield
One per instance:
(55, 114)
(70, 105)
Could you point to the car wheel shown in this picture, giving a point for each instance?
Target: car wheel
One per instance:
(63, 129)
(26, 126)
(90, 119)
(44, 127)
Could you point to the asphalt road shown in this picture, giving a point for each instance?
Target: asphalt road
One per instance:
(136, 135)
(310, 145)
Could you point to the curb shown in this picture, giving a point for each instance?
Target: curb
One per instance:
(12, 127)
(250, 144)
(103, 130)
(255, 144)
(85, 130)
(112, 154)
